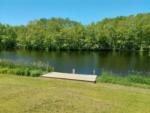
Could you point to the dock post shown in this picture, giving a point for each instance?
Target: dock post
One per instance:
(73, 71)
(93, 71)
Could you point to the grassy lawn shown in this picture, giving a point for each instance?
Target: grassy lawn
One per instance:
(20, 94)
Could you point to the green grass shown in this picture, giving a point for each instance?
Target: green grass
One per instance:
(36, 69)
(20, 94)
(134, 80)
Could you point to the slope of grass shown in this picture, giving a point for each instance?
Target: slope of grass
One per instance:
(39, 95)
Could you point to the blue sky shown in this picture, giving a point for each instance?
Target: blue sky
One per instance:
(16, 12)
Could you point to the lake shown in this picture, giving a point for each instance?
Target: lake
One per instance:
(85, 62)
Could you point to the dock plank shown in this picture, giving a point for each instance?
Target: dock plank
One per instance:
(69, 76)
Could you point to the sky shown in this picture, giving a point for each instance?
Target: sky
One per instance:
(20, 12)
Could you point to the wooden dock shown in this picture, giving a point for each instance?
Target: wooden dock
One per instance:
(70, 76)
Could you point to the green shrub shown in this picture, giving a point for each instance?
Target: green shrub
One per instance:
(27, 72)
(19, 71)
(4, 70)
(35, 73)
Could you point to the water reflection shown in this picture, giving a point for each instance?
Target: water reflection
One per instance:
(84, 62)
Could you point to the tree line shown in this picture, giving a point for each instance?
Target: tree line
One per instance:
(120, 33)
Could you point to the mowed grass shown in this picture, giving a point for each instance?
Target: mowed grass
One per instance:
(20, 94)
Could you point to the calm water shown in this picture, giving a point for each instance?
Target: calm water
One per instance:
(85, 62)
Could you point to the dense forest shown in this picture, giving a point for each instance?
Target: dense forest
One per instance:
(120, 33)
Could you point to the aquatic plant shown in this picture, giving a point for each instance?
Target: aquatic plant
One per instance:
(125, 80)
(33, 69)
